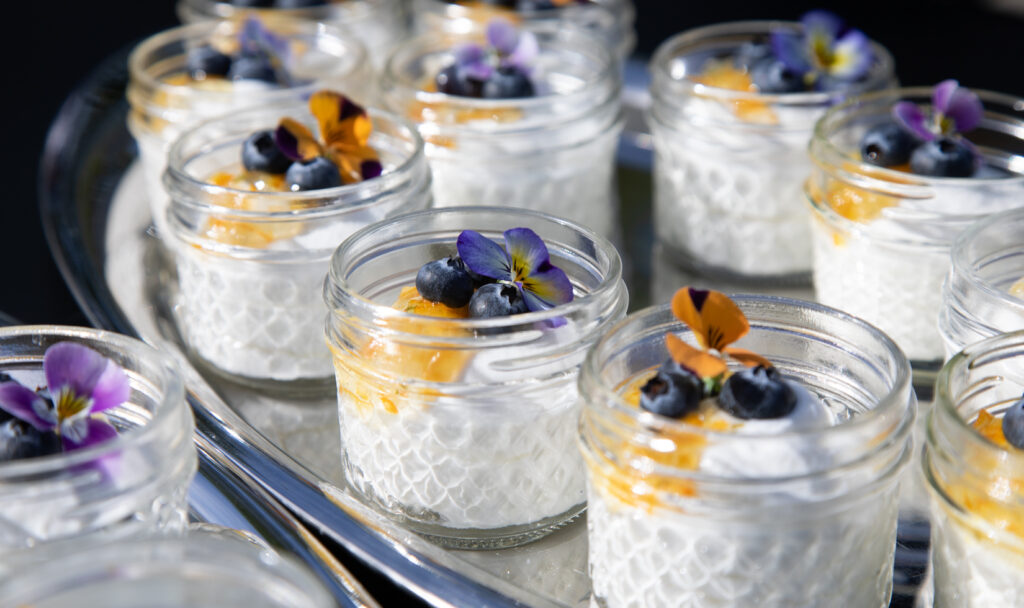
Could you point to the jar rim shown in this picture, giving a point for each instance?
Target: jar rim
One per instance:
(964, 266)
(171, 386)
(337, 292)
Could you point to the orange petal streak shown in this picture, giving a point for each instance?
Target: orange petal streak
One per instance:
(716, 322)
(703, 363)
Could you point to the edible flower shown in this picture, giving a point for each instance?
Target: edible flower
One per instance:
(716, 322)
(506, 47)
(256, 40)
(825, 48)
(80, 385)
(345, 129)
(954, 110)
(524, 263)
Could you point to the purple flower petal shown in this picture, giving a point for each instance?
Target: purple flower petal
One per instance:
(479, 70)
(503, 36)
(790, 49)
(24, 404)
(822, 22)
(546, 287)
(483, 256)
(527, 252)
(910, 116)
(73, 366)
(97, 430)
(88, 431)
(525, 52)
(468, 53)
(960, 105)
(370, 169)
(111, 390)
(852, 56)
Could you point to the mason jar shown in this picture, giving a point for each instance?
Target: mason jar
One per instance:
(785, 518)
(200, 570)
(69, 494)
(464, 429)
(554, 152)
(165, 103)
(987, 262)
(976, 482)
(882, 237)
(251, 265)
(378, 24)
(729, 165)
(611, 21)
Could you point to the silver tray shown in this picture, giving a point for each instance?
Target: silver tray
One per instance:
(261, 451)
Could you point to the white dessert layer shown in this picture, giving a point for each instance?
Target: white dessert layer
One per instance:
(970, 571)
(731, 195)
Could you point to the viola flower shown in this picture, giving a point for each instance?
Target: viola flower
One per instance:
(716, 322)
(524, 263)
(507, 47)
(81, 384)
(954, 110)
(257, 40)
(825, 49)
(345, 129)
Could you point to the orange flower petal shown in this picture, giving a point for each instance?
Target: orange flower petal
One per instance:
(704, 364)
(747, 357)
(342, 122)
(305, 145)
(713, 317)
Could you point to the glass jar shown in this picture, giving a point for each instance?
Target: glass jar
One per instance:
(777, 529)
(987, 261)
(163, 105)
(464, 429)
(609, 20)
(251, 265)
(67, 495)
(882, 237)
(554, 152)
(976, 484)
(729, 165)
(201, 570)
(378, 24)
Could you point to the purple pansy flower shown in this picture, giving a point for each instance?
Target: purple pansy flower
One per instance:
(826, 48)
(524, 262)
(954, 110)
(506, 47)
(81, 383)
(255, 39)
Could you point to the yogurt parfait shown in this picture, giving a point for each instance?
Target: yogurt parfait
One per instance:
(525, 118)
(259, 201)
(457, 335)
(738, 449)
(188, 74)
(983, 294)
(378, 24)
(974, 465)
(609, 20)
(898, 175)
(95, 439)
(733, 107)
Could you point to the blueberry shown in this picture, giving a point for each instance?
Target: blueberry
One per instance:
(19, 439)
(453, 80)
(943, 157)
(204, 61)
(508, 82)
(299, 3)
(253, 3)
(757, 392)
(253, 67)
(671, 394)
(497, 300)
(312, 175)
(1013, 424)
(751, 53)
(479, 280)
(772, 76)
(260, 153)
(446, 281)
(887, 145)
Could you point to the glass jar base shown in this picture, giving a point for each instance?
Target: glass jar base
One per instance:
(690, 263)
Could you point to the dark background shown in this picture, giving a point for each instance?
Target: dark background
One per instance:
(53, 47)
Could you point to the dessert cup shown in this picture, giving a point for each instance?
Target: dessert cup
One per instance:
(882, 237)
(200, 570)
(976, 484)
(132, 484)
(464, 429)
(611, 21)
(251, 265)
(987, 261)
(378, 24)
(162, 108)
(729, 165)
(756, 518)
(553, 152)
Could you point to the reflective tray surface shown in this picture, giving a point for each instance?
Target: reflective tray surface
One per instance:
(98, 226)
